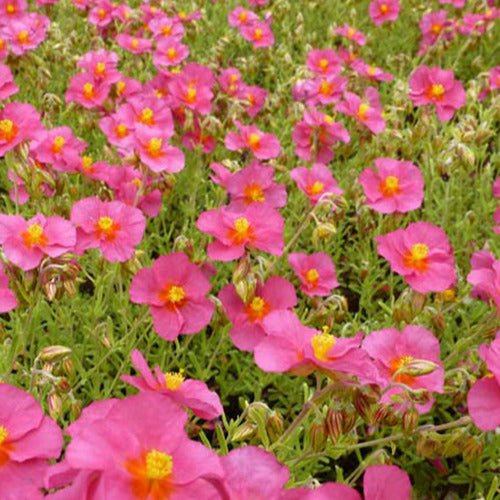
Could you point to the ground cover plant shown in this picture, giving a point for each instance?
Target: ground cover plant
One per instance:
(249, 249)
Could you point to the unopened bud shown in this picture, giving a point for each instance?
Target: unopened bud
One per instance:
(54, 403)
(242, 269)
(363, 406)
(244, 432)
(334, 421)
(348, 421)
(274, 426)
(409, 420)
(68, 367)
(75, 410)
(54, 353)
(473, 449)
(418, 367)
(429, 445)
(63, 385)
(317, 436)
(257, 412)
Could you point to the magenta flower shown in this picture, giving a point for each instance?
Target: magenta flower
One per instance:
(255, 184)
(485, 277)
(18, 122)
(240, 17)
(367, 111)
(422, 254)
(156, 152)
(101, 15)
(252, 473)
(433, 26)
(28, 439)
(119, 128)
(60, 148)
(133, 44)
(316, 182)
(26, 243)
(112, 226)
(192, 88)
(263, 146)
(7, 85)
(324, 62)
(137, 448)
(87, 91)
(253, 98)
(484, 396)
(175, 290)
(257, 32)
(259, 227)
(275, 294)
(394, 353)
(8, 300)
(192, 394)
(324, 90)
(396, 186)
(437, 86)
(382, 11)
(26, 32)
(316, 273)
(101, 64)
(316, 135)
(371, 72)
(164, 27)
(149, 112)
(230, 80)
(351, 34)
(169, 52)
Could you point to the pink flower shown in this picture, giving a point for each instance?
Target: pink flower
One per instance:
(101, 15)
(396, 186)
(252, 473)
(27, 440)
(351, 34)
(230, 80)
(484, 396)
(240, 17)
(434, 26)
(26, 243)
(275, 294)
(119, 128)
(58, 147)
(193, 88)
(18, 122)
(259, 227)
(398, 355)
(324, 62)
(324, 90)
(456, 3)
(134, 44)
(316, 135)
(101, 64)
(253, 98)
(316, 182)
(257, 32)
(112, 226)
(12, 8)
(255, 184)
(485, 277)
(8, 300)
(382, 11)
(193, 394)
(169, 52)
(264, 146)
(367, 111)
(437, 86)
(137, 448)
(164, 27)
(175, 290)
(316, 273)
(371, 72)
(155, 151)
(87, 91)
(291, 347)
(422, 254)
(7, 84)
(26, 32)
(150, 113)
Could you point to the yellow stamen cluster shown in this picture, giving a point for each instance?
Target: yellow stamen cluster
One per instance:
(158, 465)
(3, 434)
(321, 344)
(173, 380)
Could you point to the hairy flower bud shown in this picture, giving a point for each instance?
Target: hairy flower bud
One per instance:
(54, 353)
(334, 421)
(317, 436)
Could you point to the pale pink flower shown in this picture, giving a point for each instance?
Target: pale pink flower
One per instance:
(264, 146)
(351, 34)
(382, 11)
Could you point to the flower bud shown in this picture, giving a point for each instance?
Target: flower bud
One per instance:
(348, 421)
(257, 412)
(63, 385)
(418, 367)
(54, 353)
(473, 449)
(363, 406)
(409, 420)
(429, 445)
(244, 432)
(54, 403)
(317, 436)
(75, 410)
(334, 421)
(274, 426)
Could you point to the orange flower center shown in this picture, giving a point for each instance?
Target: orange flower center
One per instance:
(396, 365)
(120, 87)
(363, 110)
(173, 296)
(57, 145)
(325, 88)
(107, 228)
(241, 231)
(350, 32)
(87, 162)
(254, 141)
(34, 235)
(154, 147)
(147, 117)
(190, 96)
(151, 475)
(315, 188)
(371, 70)
(257, 34)
(436, 92)
(384, 8)
(253, 192)
(10, 8)
(257, 309)
(121, 131)
(88, 91)
(23, 37)
(171, 53)
(323, 64)
(321, 344)
(101, 13)
(8, 131)
(417, 258)
(436, 28)
(312, 277)
(390, 186)
(134, 43)
(5, 446)
(100, 69)
(243, 16)
(173, 380)
(166, 30)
